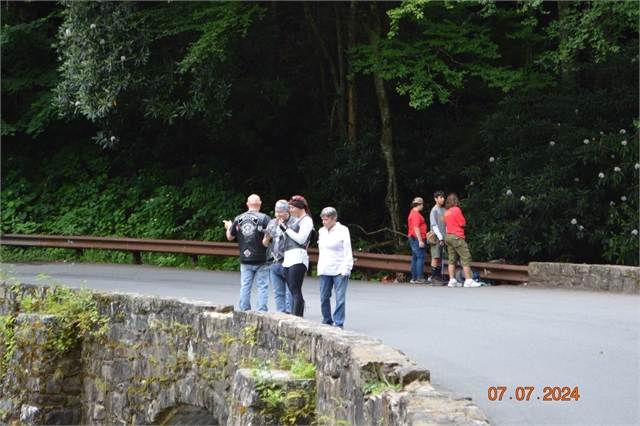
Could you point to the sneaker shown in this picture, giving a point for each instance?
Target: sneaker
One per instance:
(471, 283)
(454, 283)
(421, 281)
(438, 282)
(413, 281)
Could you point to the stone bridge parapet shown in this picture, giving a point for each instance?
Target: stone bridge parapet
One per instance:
(616, 278)
(162, 353)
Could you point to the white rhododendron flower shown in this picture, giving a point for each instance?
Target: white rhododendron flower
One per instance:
(601, 175)
(574, 221)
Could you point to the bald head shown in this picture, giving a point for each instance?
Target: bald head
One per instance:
(254, 202)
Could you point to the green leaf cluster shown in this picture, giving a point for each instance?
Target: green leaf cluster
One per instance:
(77, 315)
(283, 404)
(557, 178)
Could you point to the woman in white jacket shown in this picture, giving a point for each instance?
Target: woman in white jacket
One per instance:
(296, 258)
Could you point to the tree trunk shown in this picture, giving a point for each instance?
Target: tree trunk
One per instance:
(351, 84)
(337, 73)
(386, 136)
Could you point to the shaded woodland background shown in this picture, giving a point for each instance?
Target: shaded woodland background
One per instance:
(158, 119)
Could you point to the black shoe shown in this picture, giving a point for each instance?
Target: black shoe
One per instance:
(438, 282)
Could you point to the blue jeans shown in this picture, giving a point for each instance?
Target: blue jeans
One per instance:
(247, 273)
(328, 283)
(280, 289)
(417, 258)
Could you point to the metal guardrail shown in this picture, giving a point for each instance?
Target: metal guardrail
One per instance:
(362, 260)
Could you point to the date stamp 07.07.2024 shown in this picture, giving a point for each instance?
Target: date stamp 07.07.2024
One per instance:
(526, 393)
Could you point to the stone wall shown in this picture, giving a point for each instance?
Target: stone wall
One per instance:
(161, 353)
(594, 277)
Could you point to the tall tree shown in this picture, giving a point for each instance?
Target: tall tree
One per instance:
(373, 28)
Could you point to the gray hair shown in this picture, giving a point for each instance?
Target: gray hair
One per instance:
(329, 212)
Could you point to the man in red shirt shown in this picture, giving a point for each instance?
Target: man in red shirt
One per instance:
(456, 243)
(417, 240)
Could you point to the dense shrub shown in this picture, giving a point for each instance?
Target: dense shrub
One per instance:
(75, 195)
(562, 189)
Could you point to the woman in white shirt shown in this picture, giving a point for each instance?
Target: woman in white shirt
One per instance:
(296, 258)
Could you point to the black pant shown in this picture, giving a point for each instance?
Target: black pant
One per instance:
(294, 275)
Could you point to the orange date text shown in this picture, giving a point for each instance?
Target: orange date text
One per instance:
(527, 393)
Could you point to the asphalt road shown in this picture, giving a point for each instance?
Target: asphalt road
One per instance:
(471, 339)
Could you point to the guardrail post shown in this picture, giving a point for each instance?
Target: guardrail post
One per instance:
(79, 253)
(136, 258)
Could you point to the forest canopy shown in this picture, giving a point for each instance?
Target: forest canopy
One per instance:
(158, 119)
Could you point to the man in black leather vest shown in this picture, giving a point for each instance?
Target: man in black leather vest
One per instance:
(248, 227)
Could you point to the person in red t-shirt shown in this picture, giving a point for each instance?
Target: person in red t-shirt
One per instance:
(417, 237)
(456, 243)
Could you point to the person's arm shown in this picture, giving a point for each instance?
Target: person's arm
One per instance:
(347, 262)
(433, 220)
(267, 235)
(416, 230)
(228, 225)
(300, 237)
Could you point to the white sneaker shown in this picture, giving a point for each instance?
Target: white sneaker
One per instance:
(454, 283)
(471, 283)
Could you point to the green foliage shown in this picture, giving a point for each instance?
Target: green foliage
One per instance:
(215, 100)
(379, 383)
(439, 51)
(28, 71)
(597, 27)
(285, 405)
(7, 341)
(374, 387)
(76, 312)
(101, 59)
(554, 185)
(120, 58)
(77, 197)
(301, 368)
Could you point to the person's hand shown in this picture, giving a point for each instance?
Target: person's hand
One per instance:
(442, 242)
(227, 224)
(421, 244)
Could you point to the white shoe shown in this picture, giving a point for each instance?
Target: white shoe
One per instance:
(471, 283)
(454, 283)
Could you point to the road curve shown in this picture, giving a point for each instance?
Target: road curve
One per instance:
(470, 339)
